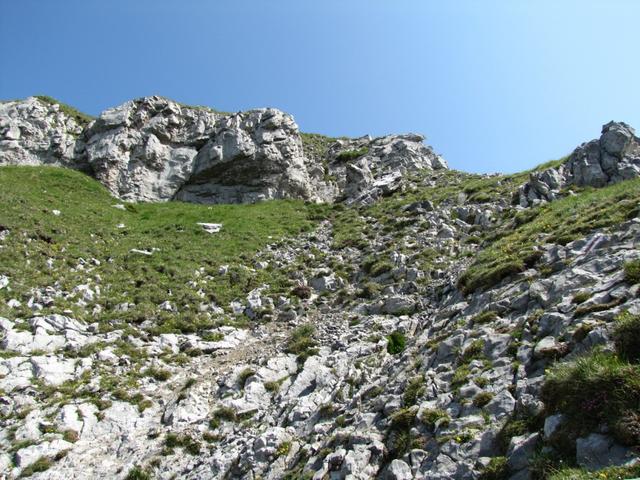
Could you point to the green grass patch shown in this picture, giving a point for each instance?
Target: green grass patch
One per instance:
(558, 222)
(482, 398)
(594, 389)
(159, 374)
(87, 229)
(610, 473)
(184, 441)
(581, 297)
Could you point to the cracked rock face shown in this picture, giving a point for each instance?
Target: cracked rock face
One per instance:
(251, 156)
(144, 149)
(379, 171)
(33, 132)
(611, 159)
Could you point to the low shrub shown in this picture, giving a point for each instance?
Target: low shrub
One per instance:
(137, 473)
(173, 440)
(516, 426)
(159, 374)
(399, 438)
(497, 469)
(626, 336)
(283, 449)
(222, 414)
(40, 465)
(431, 416)
(482, 398)
(632, 271)
(369, 290)
(244, 376)
(396, 342)
(348, 155)
(415, 387)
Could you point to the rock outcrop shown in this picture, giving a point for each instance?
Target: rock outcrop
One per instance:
(612, 158)
(365, 169)
(154, 149)
(36, 132)
(251, 156)
(144, 149)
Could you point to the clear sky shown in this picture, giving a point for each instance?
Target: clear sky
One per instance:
(495, 85)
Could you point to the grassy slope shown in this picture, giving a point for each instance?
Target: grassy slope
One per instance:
(560, 221)
(87, 229)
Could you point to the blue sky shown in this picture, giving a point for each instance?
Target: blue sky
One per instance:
(494, 85)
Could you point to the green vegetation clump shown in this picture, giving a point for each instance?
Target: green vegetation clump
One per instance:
(516, 426)
(460, 376)
(348, 228)
(274, 386)
(472, 352)
(396, 342)
(138, 473)
(485, 317)
(302, 343)
(597, 388)
(70, 436)
(226, 414)
(431, 416)
(497, 469)
(283, 449)
(399, 438)
(581, 297)
(348, 155)
(316, 146)
(559, 222)
(159, 374)
(81, 118)
(482, 398)
(380, 268)
(632, 271)
(244, 376)
(369, 290)
(40, 465)
(190, 445)
(415, 387)
(626, 336)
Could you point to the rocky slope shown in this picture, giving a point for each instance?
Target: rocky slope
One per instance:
(429, 324)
